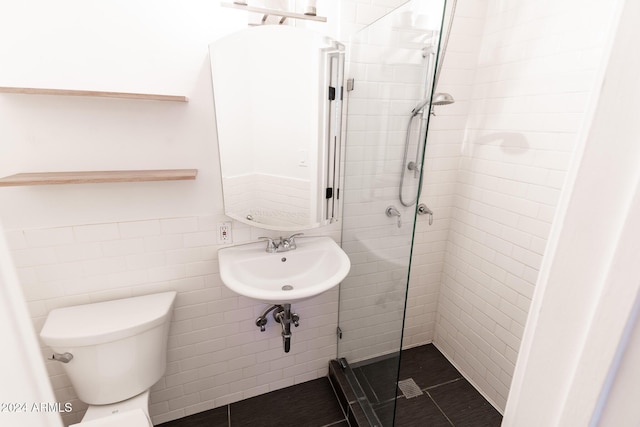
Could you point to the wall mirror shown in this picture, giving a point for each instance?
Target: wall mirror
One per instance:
(278, 102)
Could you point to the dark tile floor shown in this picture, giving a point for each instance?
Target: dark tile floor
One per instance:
(447, 399)
(310, 404)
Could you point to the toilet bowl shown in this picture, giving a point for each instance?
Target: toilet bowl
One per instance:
(133, 418)
(113, 352)
(133, 412)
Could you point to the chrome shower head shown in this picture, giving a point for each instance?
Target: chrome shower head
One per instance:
(443, 98)
(440, 98)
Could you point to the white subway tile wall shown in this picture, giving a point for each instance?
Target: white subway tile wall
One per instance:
(216, 353)
(270, 199)
(536, 70)
(389, 68)
(442, 159)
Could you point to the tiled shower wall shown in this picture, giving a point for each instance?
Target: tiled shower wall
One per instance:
(495, 162)
(386, 60)
(216, 353)
(442, 158)
(536, 72)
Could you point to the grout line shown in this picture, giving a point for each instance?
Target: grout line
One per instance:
(335, 423)
(444, 383)
(229, 415)
(439, 408)
(391, 399)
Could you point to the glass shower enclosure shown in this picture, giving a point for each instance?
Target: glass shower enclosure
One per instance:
(390, 66)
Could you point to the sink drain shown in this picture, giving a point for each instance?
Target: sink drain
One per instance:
(287, 288)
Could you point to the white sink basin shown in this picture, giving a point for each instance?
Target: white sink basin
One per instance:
(315, 266)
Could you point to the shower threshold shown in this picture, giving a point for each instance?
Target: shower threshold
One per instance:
(433, 392)
(360, 396)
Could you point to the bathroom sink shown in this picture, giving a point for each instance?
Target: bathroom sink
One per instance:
(315, 266)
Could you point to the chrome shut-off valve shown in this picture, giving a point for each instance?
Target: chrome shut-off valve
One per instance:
(283, 315)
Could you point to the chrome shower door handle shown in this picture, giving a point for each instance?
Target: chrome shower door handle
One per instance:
(393, 211)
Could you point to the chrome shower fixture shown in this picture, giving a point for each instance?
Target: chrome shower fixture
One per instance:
(443, 98)
(440, 98)
(419, 106)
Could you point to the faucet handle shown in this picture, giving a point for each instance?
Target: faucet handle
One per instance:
(291, 240)
(393, 211)
(272, 246)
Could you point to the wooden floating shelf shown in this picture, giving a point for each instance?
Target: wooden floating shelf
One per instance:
(70, 92)
(47, 178)
(275, 12)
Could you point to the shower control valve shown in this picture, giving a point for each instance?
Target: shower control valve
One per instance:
(424, 210)
(393, 211)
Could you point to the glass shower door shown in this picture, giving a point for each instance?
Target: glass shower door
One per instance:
(392, 63)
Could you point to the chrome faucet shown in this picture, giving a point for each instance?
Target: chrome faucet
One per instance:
(281, 245)
(272, 245)
(289, 243)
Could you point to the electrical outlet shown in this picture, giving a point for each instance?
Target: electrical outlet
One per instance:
(224, 233)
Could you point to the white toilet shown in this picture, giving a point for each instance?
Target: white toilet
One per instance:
(113, 352)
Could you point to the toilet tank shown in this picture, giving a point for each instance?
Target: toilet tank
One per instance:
(119, 347)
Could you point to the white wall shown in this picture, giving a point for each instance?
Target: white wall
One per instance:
(535, 75)
(77, 244)
(580, 331)
(216, 353)
(148, 47)
(22, 367)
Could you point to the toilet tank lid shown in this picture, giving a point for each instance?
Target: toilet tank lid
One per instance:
(102, 322)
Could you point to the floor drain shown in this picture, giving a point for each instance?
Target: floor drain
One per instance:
(409, 388)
